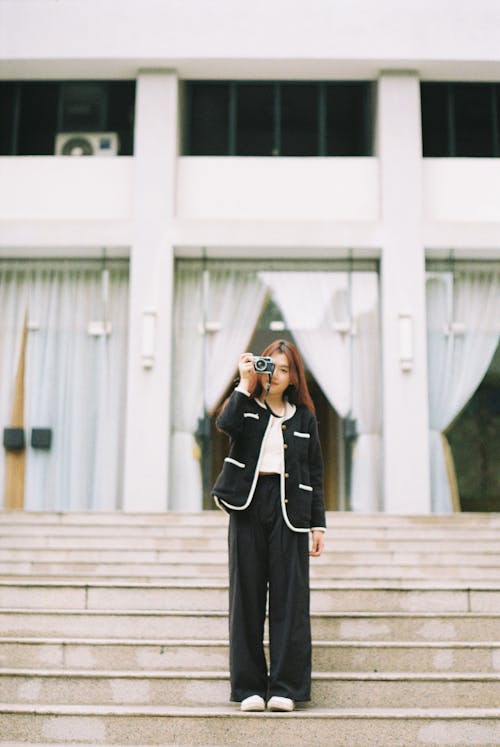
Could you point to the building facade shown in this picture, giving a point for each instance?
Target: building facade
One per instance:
(327, 171)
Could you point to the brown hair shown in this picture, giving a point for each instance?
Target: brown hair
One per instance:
(297, 392)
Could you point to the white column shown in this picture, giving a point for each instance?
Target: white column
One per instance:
(151, 284)
(405, 401)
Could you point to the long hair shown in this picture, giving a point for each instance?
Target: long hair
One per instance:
(297, 392)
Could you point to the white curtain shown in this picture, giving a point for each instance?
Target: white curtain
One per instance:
(463, 314)
(335, 325)
(187, 391)
(366, 482)
(313, 305)
(74, 381)
(216, 311)
(235, 302)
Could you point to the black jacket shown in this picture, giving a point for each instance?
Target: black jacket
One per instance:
(246, 423)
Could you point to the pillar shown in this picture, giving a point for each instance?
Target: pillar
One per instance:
(151, 286)
(404, 357)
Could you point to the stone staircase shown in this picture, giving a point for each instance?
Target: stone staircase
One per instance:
(113, 631)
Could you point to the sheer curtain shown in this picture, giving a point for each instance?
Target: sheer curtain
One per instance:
(75, 381)
(366, 482)
(216, 310)
(235, 302)
(187, 395)
(463, 314)
(315, 305)
(336, 329)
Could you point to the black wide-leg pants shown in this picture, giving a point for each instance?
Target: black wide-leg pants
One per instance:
(265, 554)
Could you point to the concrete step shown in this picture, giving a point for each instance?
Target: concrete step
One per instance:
(208, 541)
(149, 532)
(213, 625)
(331, 557)
(22, 571)
(388, 595)
(211, 727)
(195, 688)
(172, 654)
(115, 632)
(217, 517)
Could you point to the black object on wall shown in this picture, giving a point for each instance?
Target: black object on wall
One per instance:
(13, 439)
(41, 438)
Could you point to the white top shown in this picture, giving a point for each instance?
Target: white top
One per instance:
(272, 448)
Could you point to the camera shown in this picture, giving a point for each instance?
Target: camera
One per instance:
(263, 364)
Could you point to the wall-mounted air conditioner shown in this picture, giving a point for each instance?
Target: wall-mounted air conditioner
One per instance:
(87, 144)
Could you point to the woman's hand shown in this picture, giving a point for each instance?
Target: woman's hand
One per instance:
(317, 544)
(245, 366)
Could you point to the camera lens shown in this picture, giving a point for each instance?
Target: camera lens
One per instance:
(260, 365)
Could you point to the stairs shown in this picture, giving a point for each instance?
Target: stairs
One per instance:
(113, 631)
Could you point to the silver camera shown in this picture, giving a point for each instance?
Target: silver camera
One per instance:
(263, 364)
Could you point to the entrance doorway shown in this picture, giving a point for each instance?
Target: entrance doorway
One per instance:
(331, 311)
(270, 327)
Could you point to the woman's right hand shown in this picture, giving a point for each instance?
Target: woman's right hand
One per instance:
(245, 366)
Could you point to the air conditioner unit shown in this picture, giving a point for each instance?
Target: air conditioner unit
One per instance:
(87, 144)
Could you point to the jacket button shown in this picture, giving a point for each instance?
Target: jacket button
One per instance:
(286, 474)
(286, 500)
(285, 446)
(283, 427)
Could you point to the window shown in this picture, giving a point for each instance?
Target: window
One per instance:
(255, 117)
(9, 108)
(37, 119)
(348, 119)
(299, 119)
(32, 113)
(83, 107)
(461, 120)
(278, 119)
(209, 119)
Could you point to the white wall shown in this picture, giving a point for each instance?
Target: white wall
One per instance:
(41, 188)
(63, 188)
(290, 37)
(342, 189)
(461, 189)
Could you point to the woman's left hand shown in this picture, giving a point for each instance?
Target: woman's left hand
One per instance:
(317, 545)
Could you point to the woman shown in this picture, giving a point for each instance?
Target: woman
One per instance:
(271, 485)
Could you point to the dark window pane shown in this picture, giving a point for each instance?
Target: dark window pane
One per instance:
(208, 119)
(348, 119)
(473, 120)
(38, 119)
(434, 103)
(299, 119)
(255, 119)
(83, 107)
(8, 93)
(49, 108)
(497, 120)
(121, 105)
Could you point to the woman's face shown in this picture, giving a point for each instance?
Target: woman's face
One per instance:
(281, 376)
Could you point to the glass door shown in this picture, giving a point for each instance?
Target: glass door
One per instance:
(331, 311)
(63, 348)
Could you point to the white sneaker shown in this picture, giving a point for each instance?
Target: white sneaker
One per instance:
(253, 703)
(277, 703)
